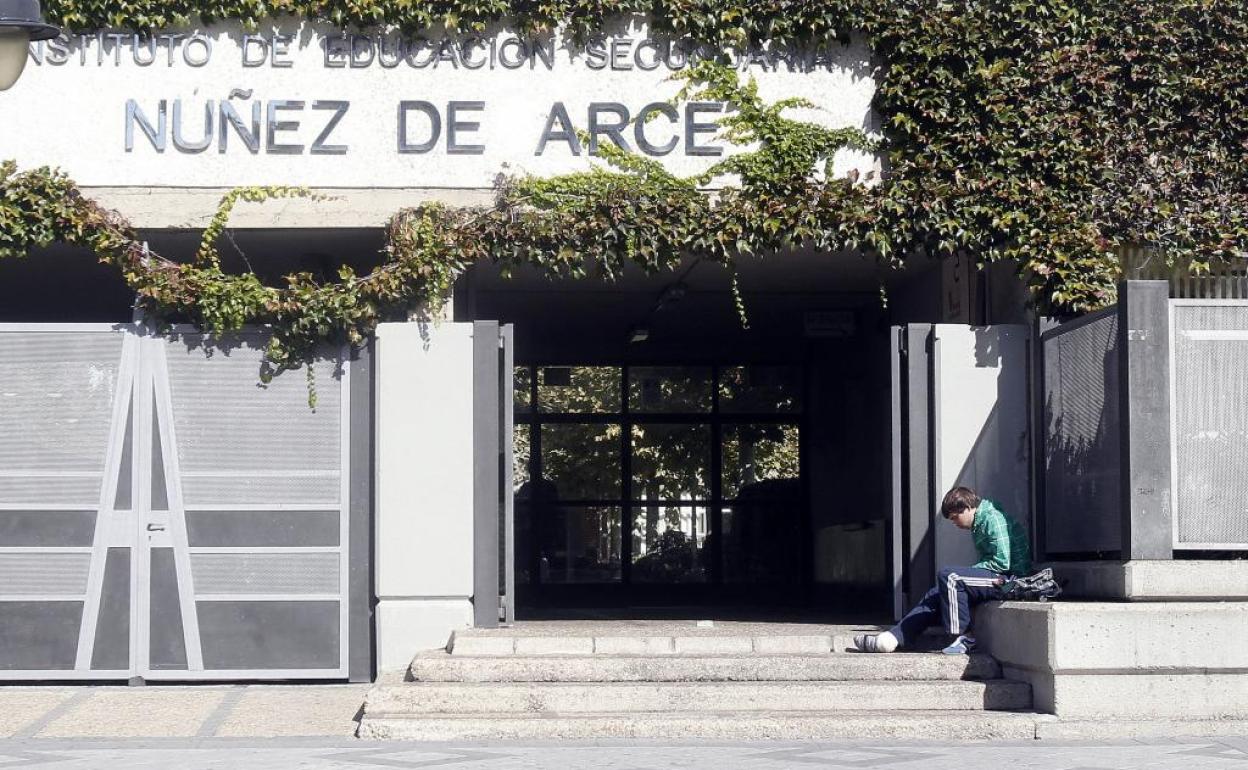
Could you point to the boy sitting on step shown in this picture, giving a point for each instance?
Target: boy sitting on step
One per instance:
(1004, 552)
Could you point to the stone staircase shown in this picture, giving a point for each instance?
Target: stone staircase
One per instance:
(734, 682)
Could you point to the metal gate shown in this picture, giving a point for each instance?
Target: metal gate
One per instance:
(164, 515)
(1081, 424)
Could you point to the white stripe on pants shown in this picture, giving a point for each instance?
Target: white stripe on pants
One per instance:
(951, 589)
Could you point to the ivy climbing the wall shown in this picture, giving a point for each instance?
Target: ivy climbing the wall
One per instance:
(1047, 132)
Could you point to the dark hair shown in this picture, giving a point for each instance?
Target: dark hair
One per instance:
(958, 499)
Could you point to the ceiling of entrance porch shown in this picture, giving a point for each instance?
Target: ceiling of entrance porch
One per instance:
(791, 271)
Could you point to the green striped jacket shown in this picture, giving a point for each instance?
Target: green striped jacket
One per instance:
(1000, 542)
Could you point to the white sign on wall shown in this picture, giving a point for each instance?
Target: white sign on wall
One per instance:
(311, 105)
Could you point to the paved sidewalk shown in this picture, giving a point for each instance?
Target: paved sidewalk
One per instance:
(322, 754)
(200, 711)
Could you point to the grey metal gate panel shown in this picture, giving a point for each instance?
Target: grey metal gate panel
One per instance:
(1082, 435)
(1209, 423)
(913, 445)
(254, 517)
(163, 515)
(507, 521)
(65, 500)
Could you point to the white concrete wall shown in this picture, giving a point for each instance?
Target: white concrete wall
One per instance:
(1161, 660)
(424, 487)
(983, 425)
(503, 105)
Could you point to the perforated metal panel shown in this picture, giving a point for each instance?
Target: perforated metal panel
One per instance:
(48, 488)
(266, 573)
(56, 391)
(1209, 413)
(43, 573)
(1081, 436)
(268, 431)
(259, 489)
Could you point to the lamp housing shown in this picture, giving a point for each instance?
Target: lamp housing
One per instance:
(21, 21)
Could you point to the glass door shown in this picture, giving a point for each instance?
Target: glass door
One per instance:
(657, 484)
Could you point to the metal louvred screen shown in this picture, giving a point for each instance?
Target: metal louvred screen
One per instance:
(1209, 386)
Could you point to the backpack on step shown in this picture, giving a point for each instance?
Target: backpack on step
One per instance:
(1039, 587)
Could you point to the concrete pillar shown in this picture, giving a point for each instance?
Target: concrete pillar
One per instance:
(424, 487)
(1144, 339)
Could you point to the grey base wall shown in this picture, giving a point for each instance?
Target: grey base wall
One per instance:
(1158, 660)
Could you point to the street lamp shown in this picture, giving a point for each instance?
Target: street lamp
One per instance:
(21, 21)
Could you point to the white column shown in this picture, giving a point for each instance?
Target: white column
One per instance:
(424, 487)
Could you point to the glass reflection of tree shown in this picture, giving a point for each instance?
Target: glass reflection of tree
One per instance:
(582, 462)
(578, 389)
(761, 472)
(671, 464)
(763, 389)
(754, 453)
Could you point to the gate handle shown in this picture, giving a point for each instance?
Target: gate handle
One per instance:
(155, 527)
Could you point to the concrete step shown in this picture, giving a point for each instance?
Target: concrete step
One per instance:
(501, 644)
(443, 667)
(508, 698)
(736, 725)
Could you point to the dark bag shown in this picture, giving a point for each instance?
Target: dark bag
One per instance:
(1039, 587)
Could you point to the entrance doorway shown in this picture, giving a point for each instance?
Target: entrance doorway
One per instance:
(660, 485)
(671, 459)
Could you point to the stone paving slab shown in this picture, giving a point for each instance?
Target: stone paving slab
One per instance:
(295, 711)
(21, 708)
(109, 713)
(322, 754)
(203, 711)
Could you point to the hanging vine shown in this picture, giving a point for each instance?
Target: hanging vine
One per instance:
(1046, 132)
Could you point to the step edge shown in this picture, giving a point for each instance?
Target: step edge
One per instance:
(915, 714)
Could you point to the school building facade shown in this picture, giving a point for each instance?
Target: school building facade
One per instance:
(567, 448)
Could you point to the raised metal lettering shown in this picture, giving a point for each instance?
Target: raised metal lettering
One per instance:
(693, 127)
(318, 145)
(559, 113)
(155, 134)
(613, 130)
(454, 125)
(639, 128)
(435, 127)
(273, 125)
(254, 40)
(229, 116)
(200, 144)
(204, 42)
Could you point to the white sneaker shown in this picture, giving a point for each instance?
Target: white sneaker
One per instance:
(884, 642)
